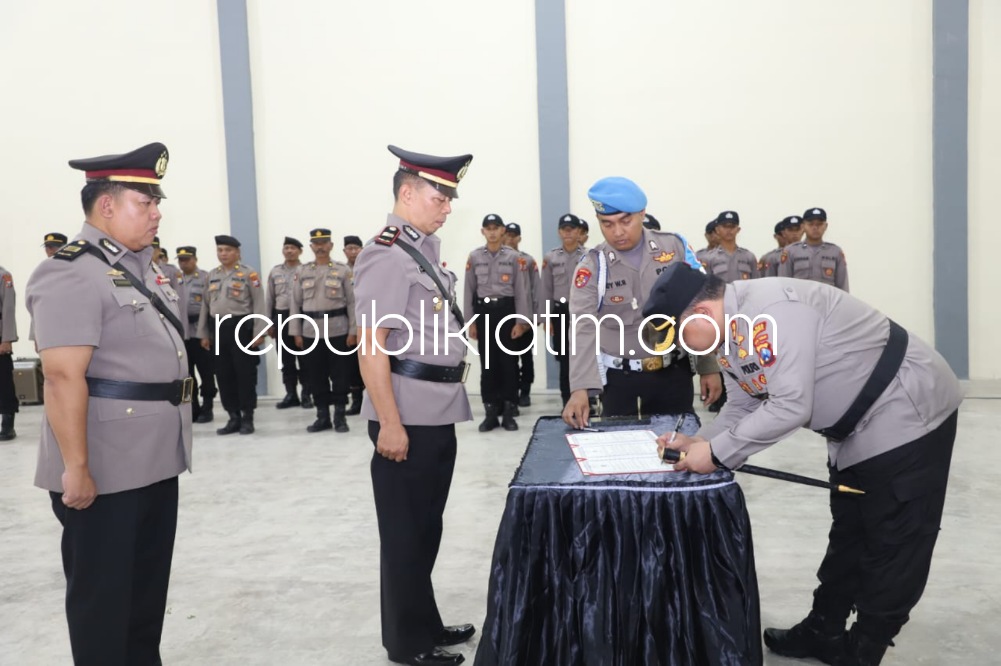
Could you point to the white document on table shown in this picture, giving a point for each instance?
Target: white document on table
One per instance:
(617, 452)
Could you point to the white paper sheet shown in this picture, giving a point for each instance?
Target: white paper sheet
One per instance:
(617, 452)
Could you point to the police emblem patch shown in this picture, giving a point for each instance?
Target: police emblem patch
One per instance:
(581, 278)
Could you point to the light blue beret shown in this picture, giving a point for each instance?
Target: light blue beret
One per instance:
(615, 194)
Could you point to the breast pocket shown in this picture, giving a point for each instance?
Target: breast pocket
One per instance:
(828, 268)
(280, 285)
(308, 288)
(237, 289)
(136, 313)
(333, 287)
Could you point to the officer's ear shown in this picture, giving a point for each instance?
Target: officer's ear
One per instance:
(105, 205)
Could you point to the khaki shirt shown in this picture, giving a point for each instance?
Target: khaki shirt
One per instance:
(626, 291)
(533, 278)
(321, 289)
(191, 289)
(820, 263)
(557, 270)
(389, 282)
(768, 264)
(131, 443)
(172, 272)
(8, 300)
(280, 281)
(701, 254)
(741, 265)
(811, 364)
(236, 292)
(500, 275)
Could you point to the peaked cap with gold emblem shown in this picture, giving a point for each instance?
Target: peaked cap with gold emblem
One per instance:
(139, 170)
(444, 173)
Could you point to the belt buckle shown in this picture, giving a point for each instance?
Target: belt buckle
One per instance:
(187, 389)
(652, 363)
(465, 372)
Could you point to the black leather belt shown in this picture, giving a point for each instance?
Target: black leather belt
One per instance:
(175, 392)
(192, 319)
(339, 312)
(428, 372)
(886, 369)
(495, 302)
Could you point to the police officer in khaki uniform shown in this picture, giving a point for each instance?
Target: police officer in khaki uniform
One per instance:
(727, 260)
(172, 272)
(117, 427)
(554, 291)
(712, 240)
(887, 404)
(8, 336)
(526, 361)
(352, 247)
(52, 242)
(235, 290)
(278, 298)
(497, 285)
(615, 278)
(413, 400)
(815, 259)
(192, 285)
(787, 231)
(325, 294)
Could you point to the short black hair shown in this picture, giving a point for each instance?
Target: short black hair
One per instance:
(91, 192)
(712, 290)
(402, 177)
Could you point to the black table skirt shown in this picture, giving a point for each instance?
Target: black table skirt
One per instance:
(620, 570)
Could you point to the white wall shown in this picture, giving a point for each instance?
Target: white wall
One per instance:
(87, 79)
(985, 174)
(335, 82)
(767, 108)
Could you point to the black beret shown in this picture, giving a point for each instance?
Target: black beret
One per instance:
(227, 240)
(292, 241)
(674, 290)
(492, 218)
(353, 240)
(711, 227)
(815, 214)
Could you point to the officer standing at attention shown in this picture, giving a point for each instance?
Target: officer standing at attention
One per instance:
(53, 241)
(192, 286)
(413, 401)
(279, 294)
(557, 268)
(235, 290)
(172, 272)
(615, 278)
(117, 427)
(8, 336)
(352, 246)
(787, 231)
(815, 259)
(526, 373)
(712, 240)
(728, 261)
(325, 294)
(811, 356)
(497, 285)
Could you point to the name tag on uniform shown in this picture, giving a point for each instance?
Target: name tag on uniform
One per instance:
(122, 282)
(215, 285)
(333, 283)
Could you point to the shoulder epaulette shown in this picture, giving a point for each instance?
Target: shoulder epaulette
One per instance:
(72, 251)
(388, 236)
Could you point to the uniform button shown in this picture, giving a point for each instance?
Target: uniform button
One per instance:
(161, 316)
(563, 299)
(180, 354)
(129, 411)
(486, 299)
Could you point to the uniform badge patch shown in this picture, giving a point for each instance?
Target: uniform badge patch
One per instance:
(8, 280)
(505, 278)
(388, 236)
(617, 299)
(581, 278)
(109, 246)
(765, 354)
(828, 272)
(522, 264)
(785, 257)
(255, 279)
(162, 279)
(724, 363)
(744, 276)
(409, 230)
(664, 257)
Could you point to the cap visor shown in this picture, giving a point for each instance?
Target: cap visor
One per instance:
(146, 188)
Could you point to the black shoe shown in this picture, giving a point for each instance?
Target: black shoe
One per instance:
(355, 408)
(340, 422)
(205, 415)
(508, 422)
(7, 431)
(307, 401)
(233, 425)
(490, 421)
(861, 650)
(810, 638)
(290, 400)
(525, 401)
(435, 657)
(247, 423)
(455, 635)
(322, 421)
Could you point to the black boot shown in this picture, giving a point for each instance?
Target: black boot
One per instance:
(247, 422)
(205, 414)
(307, 399)
(322, 421)
(233, 425)
(525, 400)
(290, 400)
(813, 637)
(861, 650)
(508, 422)
(7, 428)
(355, 407)
(340, 423)
(490, 422)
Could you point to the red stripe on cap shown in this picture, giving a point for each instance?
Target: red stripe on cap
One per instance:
(141, 173)
(434, 172)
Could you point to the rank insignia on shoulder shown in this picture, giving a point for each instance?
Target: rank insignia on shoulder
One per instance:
(109, 246)
(388, 236)
(409, 230)
(121, 282)
(71, 251)
(114, 272)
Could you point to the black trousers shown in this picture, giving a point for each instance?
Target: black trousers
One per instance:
(9, 404)
(526, 362)
(560, 340)
(326, 372)
(499, 383)
(292, 371)
(202, 361)
(667, 391)
(116, 557)
(410, 499)
(235, 369)
(880, 544)
(355, 382)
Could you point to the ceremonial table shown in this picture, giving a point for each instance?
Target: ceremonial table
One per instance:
(621, 570)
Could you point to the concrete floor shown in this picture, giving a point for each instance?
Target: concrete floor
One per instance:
(277, 551)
